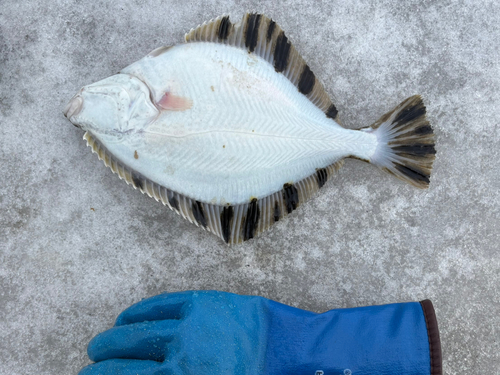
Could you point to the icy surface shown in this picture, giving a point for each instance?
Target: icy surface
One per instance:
(78, 245)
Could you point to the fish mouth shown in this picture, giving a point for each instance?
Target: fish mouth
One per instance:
(73, 107)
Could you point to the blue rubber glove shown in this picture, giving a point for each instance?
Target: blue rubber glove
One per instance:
(213, 332)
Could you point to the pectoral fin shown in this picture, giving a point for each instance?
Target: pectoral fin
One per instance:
(173, 102)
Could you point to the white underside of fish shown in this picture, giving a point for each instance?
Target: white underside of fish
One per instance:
(244, 130)
(233, 131)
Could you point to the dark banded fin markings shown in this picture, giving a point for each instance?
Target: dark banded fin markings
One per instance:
(277, 211)
(251, 220)
(223, 28)
(321, 177)
(226, 219)
(137, 181)
(270, 29)
(291, 197)
(199, 213)
(307, 80)
(262, 36)
(173, 202)
(332, 112)
(233, 224)
(281, 53)
(252, 31)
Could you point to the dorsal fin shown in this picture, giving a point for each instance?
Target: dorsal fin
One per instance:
(260, 35)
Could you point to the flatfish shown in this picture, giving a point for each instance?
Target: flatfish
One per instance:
(233, 131)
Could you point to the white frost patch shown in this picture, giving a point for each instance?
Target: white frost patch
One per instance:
(360, 192)
(299, 262)
(455, 260)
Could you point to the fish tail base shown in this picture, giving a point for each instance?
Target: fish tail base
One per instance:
(405, 145)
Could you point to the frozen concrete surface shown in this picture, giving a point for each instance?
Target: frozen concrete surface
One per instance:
(78, 245)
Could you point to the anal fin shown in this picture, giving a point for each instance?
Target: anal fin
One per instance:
(233, 224)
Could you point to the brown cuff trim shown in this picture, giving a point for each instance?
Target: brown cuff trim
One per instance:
(433, 334)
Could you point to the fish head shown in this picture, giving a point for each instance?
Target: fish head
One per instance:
(115, 106)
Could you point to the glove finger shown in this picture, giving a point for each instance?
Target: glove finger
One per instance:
(129, 367)
(161, 307)
(147, 341)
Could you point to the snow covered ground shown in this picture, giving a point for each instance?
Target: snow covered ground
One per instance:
(77, 245)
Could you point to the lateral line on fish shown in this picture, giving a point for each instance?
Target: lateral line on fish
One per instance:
(246, 133)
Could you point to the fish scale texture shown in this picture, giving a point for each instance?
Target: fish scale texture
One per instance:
(78, 245)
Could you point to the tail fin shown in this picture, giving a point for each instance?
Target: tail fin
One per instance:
(405, 143)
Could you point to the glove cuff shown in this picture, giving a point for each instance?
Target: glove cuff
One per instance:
(433, 335)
